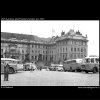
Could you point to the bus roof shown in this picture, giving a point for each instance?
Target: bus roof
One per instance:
(92, 57)
(72, 59)
(10, 59)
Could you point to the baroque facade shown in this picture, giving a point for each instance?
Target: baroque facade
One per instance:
(70, 45)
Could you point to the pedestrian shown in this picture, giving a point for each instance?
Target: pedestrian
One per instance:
(6, 71)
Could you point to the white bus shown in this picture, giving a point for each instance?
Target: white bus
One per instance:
(15, 65)
(12, 63)
(90, 64)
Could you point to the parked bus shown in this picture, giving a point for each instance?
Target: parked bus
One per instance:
(72, 65)
(15, 65)
(90, 64)
(12, 63)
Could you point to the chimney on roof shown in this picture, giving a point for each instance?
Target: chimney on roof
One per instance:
(62, 33)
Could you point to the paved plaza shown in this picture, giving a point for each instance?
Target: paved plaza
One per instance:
(51, 78)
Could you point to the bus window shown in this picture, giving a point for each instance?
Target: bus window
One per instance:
(92, 60)
(97, 60)
(87, 60)
(73, 61)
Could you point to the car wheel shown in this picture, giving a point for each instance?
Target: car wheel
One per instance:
(71, 69)
(94, 70)
(86, 71)
(11, 70)
(76, 70)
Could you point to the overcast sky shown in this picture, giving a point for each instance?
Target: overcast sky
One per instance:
(49, 28)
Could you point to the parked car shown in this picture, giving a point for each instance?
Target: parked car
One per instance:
(59, 68)
(29, 66)
(52, 68)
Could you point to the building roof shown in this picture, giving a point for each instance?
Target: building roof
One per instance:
(32, 38)
(23, 37)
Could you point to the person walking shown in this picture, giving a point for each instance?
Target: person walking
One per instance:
(6, 71)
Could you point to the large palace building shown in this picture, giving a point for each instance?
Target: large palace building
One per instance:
(70, 45)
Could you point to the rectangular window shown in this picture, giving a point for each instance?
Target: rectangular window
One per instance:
(22, 51)
(81, 49)
(92, 60)
(60, 50)
(32, 57)
(81, 56)
(63, 49)
(66, 48)
(63, 57)
(22, 57)
(35, 57)
(75, 56)
(75, 49)
(97, 60)
(84, 50)
(78, 49)
(87, 60)
(46, 52)
(71, 49)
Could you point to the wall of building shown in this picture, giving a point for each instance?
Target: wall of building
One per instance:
(63, 49)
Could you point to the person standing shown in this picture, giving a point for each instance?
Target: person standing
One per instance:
(6, 71)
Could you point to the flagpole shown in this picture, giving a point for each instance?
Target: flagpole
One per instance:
(53, 32)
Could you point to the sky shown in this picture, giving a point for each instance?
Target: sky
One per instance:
(49, 28)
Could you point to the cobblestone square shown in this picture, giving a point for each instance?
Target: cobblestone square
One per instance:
(51, 78)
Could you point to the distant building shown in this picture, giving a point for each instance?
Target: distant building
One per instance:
(69, 45)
